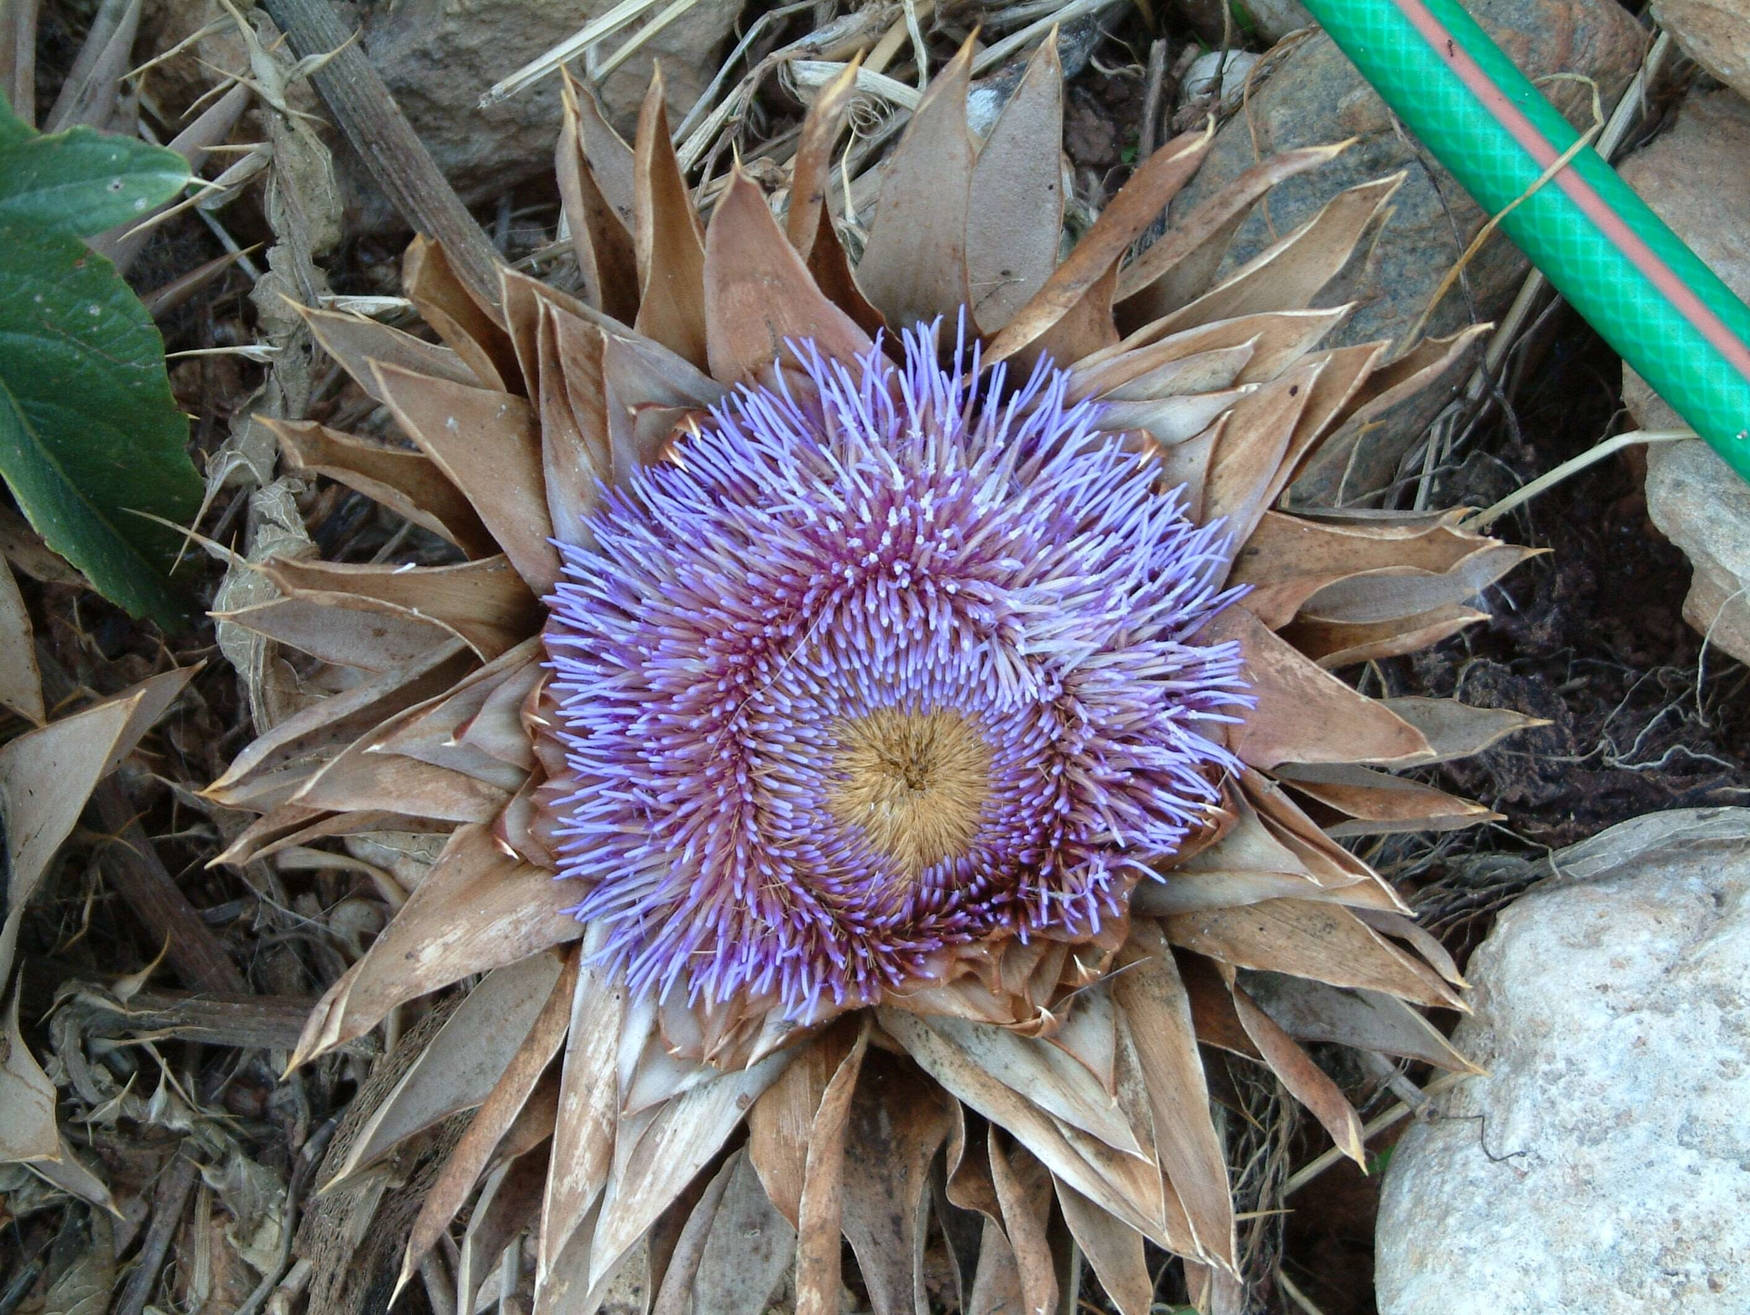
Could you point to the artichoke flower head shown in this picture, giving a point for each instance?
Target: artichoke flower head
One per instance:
(879, 713)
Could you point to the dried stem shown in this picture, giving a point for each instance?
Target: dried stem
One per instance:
(380, 133)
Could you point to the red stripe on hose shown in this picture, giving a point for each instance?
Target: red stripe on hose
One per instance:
(1699, 314)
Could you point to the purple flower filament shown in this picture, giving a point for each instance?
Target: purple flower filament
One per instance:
(886, 664)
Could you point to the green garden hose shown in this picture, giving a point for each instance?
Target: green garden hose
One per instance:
(1650, 297)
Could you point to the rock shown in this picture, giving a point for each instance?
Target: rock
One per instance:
(1697, 178)
(1704, 508)
(1220, 74)
(1714, 33)
(1602, 1163)
(1316, 96)
(438, 57)
(1225, 22)
(1271, 19)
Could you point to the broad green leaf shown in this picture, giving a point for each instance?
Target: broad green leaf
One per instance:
(89, 433)
(80, 182)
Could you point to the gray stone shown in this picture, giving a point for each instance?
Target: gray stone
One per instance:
(1602, 1163)
(1314, 96)
(1714, 33)
(438, 57)
(1273, 19)
(1221, 22)
(1704, 508)
(1220, 76)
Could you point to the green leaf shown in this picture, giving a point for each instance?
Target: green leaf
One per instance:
(89, 432)
(81, 182)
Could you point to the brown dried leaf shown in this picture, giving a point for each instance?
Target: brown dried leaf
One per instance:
(46, 775)
(1046, 1076)
(27, 1098)
(408, 483)
(669, 242)
(1156, 1018)
(474, 911)
(346, 636)
(811, 172)
(1305, 1080)
(1275, 340)
(898, 1121)
(914, 264)
(1177, 267)
(359, 780)
(1095, 258)
(1113, 1248)
(487, 444)
(1334, 646)
(1396, 592)
(508, 1204)
(733, 1251)
(484, 603)
(1124, 1185)
(1288, 274)
(1287, 559)
(21, 686)
(778, 1125)
(1381, 804)
(589, 1108)
(1457, 730)
(502, 1105)
(758, 293)
(606, 263)
(650, 394)
(1159, 370)
(460, 1066)
(1366, 1020)
(1090, 1035)
(1023, 1188)
(1016, 209)
(814, 1185)
(1322, 941)
(471, 328)
(655, 1159)
(576, 449)
(1304, 714)
(358, 343)
(1255, 448)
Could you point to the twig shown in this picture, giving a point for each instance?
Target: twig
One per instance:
(168, 1203)
(131, 864)
(245, 1022)
(380, 133)
(1149, 132)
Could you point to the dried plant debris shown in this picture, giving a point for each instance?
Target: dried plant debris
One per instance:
(487, 1109)
(629, 1064)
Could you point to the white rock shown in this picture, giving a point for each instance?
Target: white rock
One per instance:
(1602, 1166)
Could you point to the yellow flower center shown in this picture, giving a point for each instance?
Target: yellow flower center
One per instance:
(915, 782)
